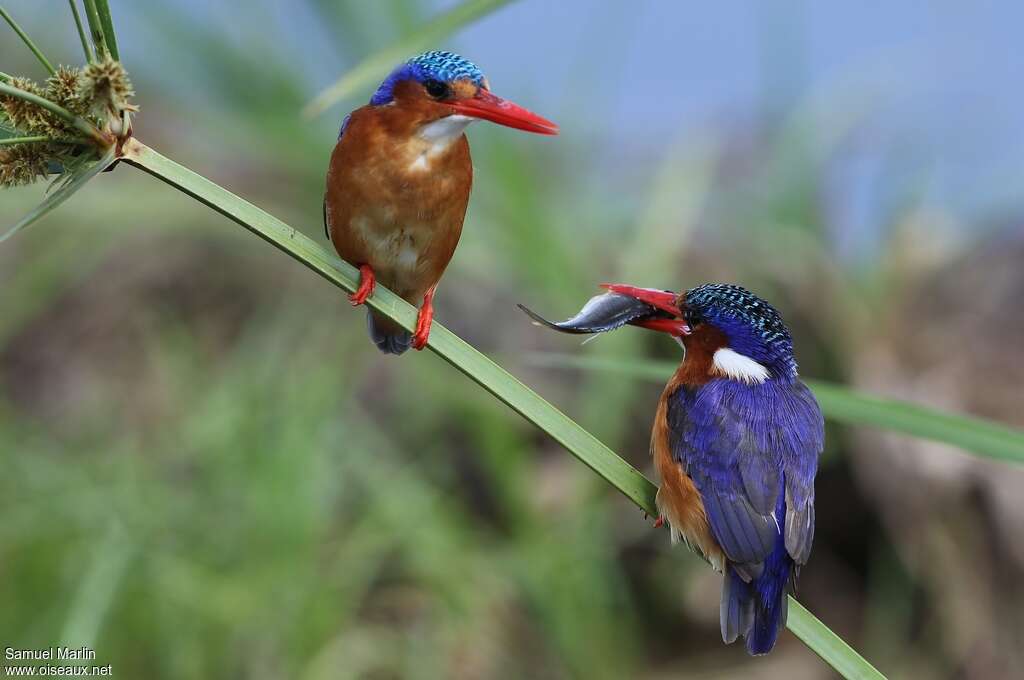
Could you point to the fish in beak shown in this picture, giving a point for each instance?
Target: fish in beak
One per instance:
(622, 305)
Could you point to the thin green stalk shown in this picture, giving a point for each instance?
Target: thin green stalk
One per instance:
(86, 47)
(80, 124)
(96, 28)
(587, 448)
(5, 77)
(28, 41)
(842, 404)
(7, 141)
(107, 21)
(378, 63)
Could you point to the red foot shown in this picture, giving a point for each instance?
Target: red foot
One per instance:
(658, 523)
(423, 321)
(367, 282)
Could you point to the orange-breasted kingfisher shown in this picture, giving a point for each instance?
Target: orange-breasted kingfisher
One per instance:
(736, 440)
(399, 182)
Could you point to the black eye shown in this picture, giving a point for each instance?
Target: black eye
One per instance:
(436, 89)
(693, 318)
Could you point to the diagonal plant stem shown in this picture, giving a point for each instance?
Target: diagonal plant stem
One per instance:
(587, 448)
(79, 123)
(86, 47)
(98, 28)
(985, 437)
(28, 41)
(107, 21)
(8, 141)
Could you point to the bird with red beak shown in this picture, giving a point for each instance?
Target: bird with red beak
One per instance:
(736, 440)
(399, 182)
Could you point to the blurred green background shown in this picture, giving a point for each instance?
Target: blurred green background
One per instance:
(209, 472)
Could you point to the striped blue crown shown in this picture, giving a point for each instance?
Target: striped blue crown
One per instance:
(433, 65)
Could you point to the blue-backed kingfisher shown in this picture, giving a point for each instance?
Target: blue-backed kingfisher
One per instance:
(736, 441)
(399, 182)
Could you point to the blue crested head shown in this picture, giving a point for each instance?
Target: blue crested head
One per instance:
(726, 330)
(752, 327)
(436, 66)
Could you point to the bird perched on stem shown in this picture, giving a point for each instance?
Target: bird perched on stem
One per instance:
(736, 441)
(399, 181)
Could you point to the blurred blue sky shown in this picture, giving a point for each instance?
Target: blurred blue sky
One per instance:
(935, 87)
(940, 82)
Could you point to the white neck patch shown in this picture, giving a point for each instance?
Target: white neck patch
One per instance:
(740, 367)
(444, 130)
(438, 135)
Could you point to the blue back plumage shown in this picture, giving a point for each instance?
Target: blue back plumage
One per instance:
(754, 328)
(752, 452)
(433, 65)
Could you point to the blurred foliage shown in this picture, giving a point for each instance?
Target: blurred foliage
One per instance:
(210, 472)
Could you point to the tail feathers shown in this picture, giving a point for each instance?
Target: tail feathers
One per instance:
(737, 609)
(756, 609)
(770, 611)
(389, 337)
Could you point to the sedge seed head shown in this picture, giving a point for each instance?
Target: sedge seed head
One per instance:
(22, 164)
(64, 88)
(23, 115)
(106, 88)
(29, 117)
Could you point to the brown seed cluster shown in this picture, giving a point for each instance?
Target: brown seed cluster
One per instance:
(98, 93)
(29, 118)
(106, 88)
(22, 164)
(64, 89)
(26, 116)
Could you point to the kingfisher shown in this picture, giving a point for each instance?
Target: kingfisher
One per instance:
(399, 181)
(735, 441)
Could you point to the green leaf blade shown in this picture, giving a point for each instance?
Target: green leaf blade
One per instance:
(76, 181)
(107, 21)
(990, 439)
(829, 646)
(845, 405)
(97, 28)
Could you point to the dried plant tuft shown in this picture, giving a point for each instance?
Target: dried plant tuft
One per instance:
(21, 114)
(22, 164)
(106, 87)
(64, 88)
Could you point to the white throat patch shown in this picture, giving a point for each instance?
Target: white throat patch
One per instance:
(443, 130)
(737, 366)
(438, 136)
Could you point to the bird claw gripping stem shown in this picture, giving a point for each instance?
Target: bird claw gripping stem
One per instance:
(367, 282)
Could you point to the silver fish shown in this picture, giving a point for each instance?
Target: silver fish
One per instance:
(601, 313)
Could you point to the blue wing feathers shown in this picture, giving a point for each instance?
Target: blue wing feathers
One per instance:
(752, 452)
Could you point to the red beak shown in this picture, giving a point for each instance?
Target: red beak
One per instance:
(487, 106)
(659, 299)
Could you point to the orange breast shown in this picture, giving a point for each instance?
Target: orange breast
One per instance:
(679, 501)
(393, 207)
